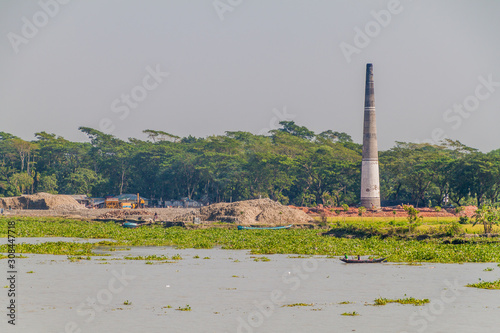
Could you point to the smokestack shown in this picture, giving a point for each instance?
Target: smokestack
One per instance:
(370, 185)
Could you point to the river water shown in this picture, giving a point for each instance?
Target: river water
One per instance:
(229, 291)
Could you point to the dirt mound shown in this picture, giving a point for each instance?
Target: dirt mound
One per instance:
(469, 211)
(41, 201)
(122, 214)
(250, 212)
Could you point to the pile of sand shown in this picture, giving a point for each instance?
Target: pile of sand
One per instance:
(41, 201)
(124, 213)
(250, 212)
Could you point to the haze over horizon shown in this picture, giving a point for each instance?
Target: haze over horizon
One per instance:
(246, 65)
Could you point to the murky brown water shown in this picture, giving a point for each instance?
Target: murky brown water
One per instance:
(230, 292)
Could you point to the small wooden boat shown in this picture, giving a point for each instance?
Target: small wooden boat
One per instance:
(362, 261)
(130, 225)
(240, 227)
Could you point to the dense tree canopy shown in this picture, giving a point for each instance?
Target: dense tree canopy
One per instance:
(292, 164)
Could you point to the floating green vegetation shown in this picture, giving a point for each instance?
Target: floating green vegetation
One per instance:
(17, 256)
(64, 248)
(346, 302)
(488, 269)
(153, 257)
(78, 258)
(206, 258)
(485, 285)
(304, 242)
(196, 257)
(30, 272)
(354, 313)
(127, 302)
(297, 304)
(261, 259)
(106, 243)
(176, 257)
(236, 276)
(186, 308)
(118, 249)
(166, 307)
(408, 300)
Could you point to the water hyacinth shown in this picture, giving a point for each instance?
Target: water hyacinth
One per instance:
(263, 242)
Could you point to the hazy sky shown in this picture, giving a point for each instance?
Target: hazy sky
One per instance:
(248, 64)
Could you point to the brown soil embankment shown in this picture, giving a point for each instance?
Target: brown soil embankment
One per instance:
(164, 214)
(385, 211)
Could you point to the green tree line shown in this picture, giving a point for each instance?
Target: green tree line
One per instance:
(291, 164)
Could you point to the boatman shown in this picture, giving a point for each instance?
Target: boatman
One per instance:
(345, 256)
